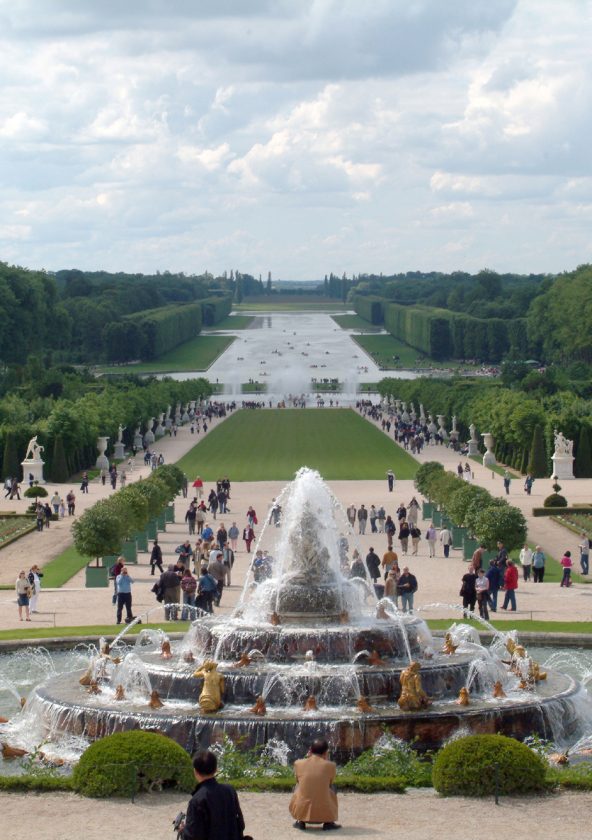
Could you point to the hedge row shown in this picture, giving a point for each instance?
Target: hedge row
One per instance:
(215, 309)
(560, 511)
(468, 506)
(163, 329)
(442, 334)
(369, 308)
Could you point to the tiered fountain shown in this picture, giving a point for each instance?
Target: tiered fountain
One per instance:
(307, 651)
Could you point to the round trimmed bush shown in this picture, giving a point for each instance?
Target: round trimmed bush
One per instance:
(35, 492)
(466, 767)
(555, 500)
(128, 762)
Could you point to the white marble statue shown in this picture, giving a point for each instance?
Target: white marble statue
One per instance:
(34, 450)
(120, 432)
(563, 446)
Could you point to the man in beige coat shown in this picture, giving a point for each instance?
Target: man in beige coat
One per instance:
(314, 801)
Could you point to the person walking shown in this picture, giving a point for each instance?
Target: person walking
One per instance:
(538, 565)
(71, 502)
(415, 535)
(214, 812)
(170, 586)
(482, 590)
(468, 593)
(314, 800)
(228, 560)
(351, 513)
(526, 561)
(584, 553)
(510, 585)
(198, 487)
(431, 537)
(407, 587)
(495, 577)
(507, 480)
(567, 564)
(156, 558)
(390, 480)
(123, 587)
(528, 482)
(217, 570)
(190, 517)
(389, 559)
(189, 590)
(390, 587)
(372, 516)
(362, 519)
(23, 593)
(390, 529)
(233, 534)
(373, 565)
(380, 518)
(207, 589)
(248, 537)
(34, 578)
(404, 536)
(446, 540)
(221, 536)
(84, 483)
(55, 502)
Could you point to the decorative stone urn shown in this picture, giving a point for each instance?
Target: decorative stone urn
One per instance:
(149, 434)
(473, 443)
(102, 462)
(489, 457)
(159, 430)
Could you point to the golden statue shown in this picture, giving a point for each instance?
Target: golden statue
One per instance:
(374, 659)
(275, 619)
(188, 656)
(510, 645)
(535, 672)
(463, 698)
(165, 650)
(498, 690)
(363, 705)
(259, 708)
(526, 684)
(310, 704)
(210, 699)
(244, 660)
(86, 678)
(93, 687)
(119, 693)
(449, 646)
(155, 701)
(519, 652)
(413, 697)
(12, 752)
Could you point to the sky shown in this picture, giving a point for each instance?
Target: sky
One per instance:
(296, 136)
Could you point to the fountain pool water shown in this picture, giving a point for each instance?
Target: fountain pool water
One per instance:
(309, 650)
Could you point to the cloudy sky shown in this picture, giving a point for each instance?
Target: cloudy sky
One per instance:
(296, 136)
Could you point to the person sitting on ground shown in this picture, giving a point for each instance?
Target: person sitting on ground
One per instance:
(314, 800)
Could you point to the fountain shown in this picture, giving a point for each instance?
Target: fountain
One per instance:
(308, 651)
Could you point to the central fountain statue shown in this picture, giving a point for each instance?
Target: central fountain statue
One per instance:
(308, 649)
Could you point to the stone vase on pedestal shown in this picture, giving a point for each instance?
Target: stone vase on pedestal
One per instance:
(159, 431)
(442, 428)
(489, 457)
(102, 462)
(138, 439)
(473, 443)
(149, 434)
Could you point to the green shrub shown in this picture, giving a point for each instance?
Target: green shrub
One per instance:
(127, 762)
(35, 492)
(555, 500)
(460, 502)
(467, 767)
(390, 758)
(35, 781)
(425, 475)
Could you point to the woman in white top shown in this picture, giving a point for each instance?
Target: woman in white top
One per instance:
(526, 561)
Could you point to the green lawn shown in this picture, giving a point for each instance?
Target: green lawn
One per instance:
(383, 348)
(92, 630)
(354, 322)
(63, 567)
(233, 322)
(264, 445)
(197, 354)
(523, 625)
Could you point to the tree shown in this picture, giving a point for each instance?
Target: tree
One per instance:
(59, 466)
(100, 530)
(268, 286)
(537, 462)
(583, 462)
(501, 523)
(11, 467)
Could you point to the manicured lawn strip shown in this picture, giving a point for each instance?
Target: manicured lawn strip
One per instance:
(92, 630)
(523, 625)
(274, 444)
(63, 567)
(354, 322)
(232, 322)
(500, 469)
(197, 354)
(382, 348)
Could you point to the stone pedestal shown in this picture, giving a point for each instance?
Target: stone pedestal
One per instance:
(102, 462)
(119, 451)
(473, 447)
(563, 466)
(159, 431)
(34, 467)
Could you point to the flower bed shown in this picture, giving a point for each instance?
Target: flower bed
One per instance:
(13, 526)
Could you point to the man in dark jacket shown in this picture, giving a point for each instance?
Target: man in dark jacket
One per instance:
(406, 589)
(213, 812)
(373, 564)
(495, 581)
(156, 558)
(170, 584)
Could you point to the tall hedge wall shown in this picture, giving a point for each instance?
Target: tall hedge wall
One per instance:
(159, 330)
(442, 334)
(369, 308)
(215, 309)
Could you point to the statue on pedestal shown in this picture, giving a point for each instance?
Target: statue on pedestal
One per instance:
(119, 448)
(33, 463)
(210, 699)
(34, 450)
(563, 456)
(413, 697)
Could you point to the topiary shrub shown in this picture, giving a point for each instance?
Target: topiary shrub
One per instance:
(425, 475)
(467, 767)
(35, 492)
(555, 500)
(128, 762)
(504, 523)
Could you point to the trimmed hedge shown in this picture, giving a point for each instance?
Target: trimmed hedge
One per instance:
(560, 511)
(477, 764)
(369, 308)
(215, 309)
(128, 762)
(159, 330)
(555, 500)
